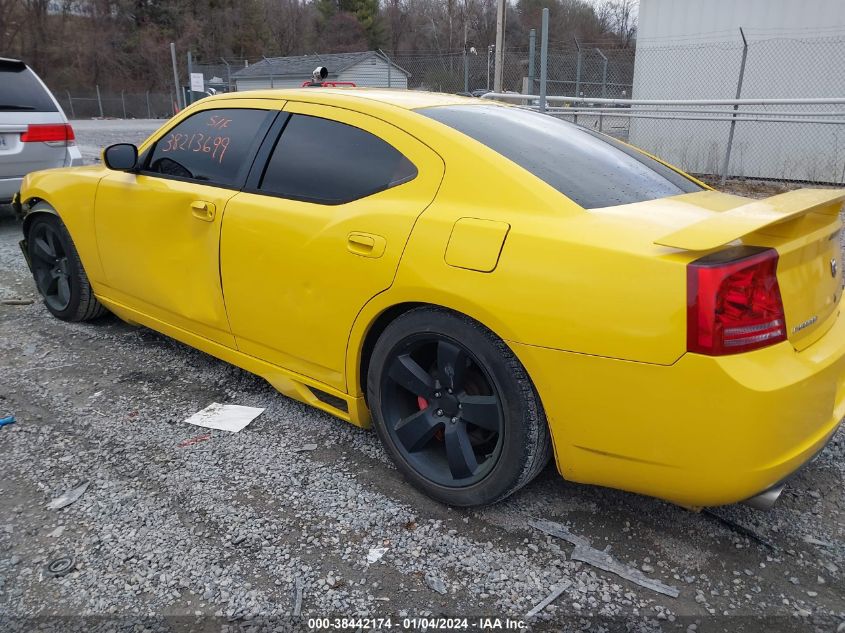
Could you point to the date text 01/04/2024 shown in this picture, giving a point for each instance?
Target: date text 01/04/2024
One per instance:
(417, 624)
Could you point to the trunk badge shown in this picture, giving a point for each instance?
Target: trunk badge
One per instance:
(833, 267)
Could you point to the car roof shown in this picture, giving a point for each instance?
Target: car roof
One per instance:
(406, 99)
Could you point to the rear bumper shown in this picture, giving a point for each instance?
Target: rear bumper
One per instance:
(704, 431)
(8, 188)
(73, 158)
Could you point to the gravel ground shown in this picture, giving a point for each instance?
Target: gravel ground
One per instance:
(174, 535)
(92, 135)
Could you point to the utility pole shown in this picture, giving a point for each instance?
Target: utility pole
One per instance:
(190, 95)
(500, 46)
(544, 57)
(175, 75)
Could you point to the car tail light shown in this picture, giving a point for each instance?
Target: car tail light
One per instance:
(733, 302)
(56, 134)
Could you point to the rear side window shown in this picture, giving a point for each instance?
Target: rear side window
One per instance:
(589, 168)
(324, 161)
(22, 92)
(213, 146)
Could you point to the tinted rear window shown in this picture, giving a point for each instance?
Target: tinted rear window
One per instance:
(591, 169)
(22, 92)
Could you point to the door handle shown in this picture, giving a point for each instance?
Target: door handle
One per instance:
(203, 210)
(366, 244)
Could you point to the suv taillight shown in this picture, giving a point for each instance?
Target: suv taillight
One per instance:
(733, 302)
(51, 133)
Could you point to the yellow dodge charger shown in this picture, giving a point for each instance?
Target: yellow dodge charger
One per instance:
(484, 284)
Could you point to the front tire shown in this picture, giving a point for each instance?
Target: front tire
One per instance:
(58, 272)
(455, 408)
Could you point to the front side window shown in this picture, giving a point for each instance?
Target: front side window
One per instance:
(590, 169)
(328, 162)
(213, 146)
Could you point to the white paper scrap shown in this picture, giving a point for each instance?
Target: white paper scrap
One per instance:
(375, 554)
(224, 417)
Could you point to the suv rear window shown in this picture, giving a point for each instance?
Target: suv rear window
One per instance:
(22, 92)
(591, 169)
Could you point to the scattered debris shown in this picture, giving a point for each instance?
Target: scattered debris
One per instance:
(224, 417)
(57, 532)
(297, 604)
(375, 554)
(68, 497)
(435, 583)
(556, 591)
(16, 302)
(7, 420)
(812, 540)
(240, 538)
(305, 447)
(602, 559)
(741, 529)
(193, 440)
(61, 566)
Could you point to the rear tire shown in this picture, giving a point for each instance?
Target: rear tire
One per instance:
(455, 409)
(58, 272)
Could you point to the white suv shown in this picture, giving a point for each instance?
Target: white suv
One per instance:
(34, 131)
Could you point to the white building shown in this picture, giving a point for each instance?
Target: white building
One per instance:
(366, 69)
(692, 49)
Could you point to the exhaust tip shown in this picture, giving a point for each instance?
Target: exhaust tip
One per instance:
(766, 499)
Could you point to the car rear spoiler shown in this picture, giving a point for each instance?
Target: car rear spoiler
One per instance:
(727, 226)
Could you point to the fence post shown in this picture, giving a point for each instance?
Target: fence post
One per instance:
(100, 101)
(490, 48)
(228, 74)
(544, 57)
(149, 111)
(70, 103)
(736, 107)
(577, 68)
(123, 103)
(577, 77)
(603, 84)
(532, 46)
(466, 69)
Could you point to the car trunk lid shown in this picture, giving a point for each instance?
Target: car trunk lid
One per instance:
(805, 228)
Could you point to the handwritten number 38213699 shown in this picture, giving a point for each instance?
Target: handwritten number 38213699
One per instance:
(211, 144)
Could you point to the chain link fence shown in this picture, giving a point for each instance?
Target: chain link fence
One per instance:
(97, 104)
(793, 141)
(789, 127)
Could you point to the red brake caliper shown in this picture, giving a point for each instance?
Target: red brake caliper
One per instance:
(423, 404)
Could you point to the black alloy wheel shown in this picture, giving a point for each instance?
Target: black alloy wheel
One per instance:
(445, 413)
(454, 408)
(50, 265)
(57, 269)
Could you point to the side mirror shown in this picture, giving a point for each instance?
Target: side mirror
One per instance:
(121, 157)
